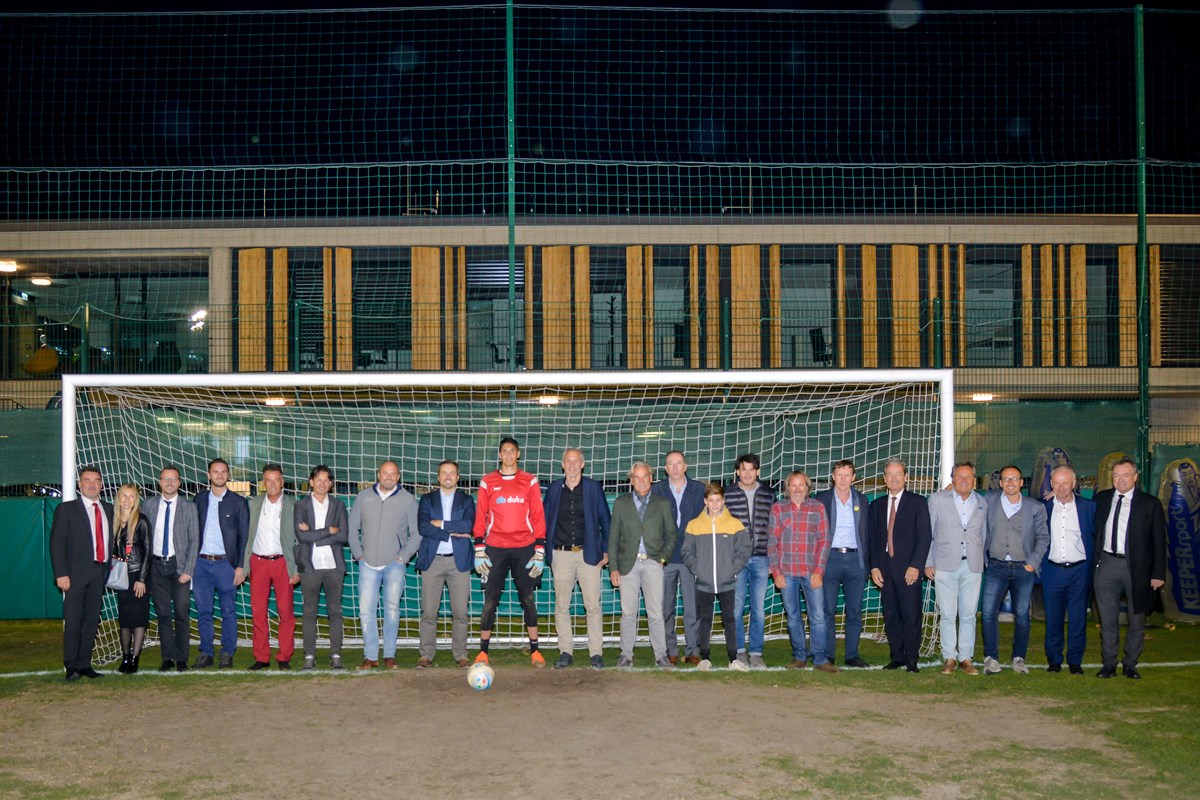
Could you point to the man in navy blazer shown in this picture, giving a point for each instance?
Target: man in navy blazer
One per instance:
(1130, 560)
(446, 558)
(687, 501)
(224, 518)
(80, 539)
(900, 537)
(846, 509)
(577, 523)
(1066, 570)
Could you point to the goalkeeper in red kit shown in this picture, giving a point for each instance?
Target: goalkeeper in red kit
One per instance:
(510, 537)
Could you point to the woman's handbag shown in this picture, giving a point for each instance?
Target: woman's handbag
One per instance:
(118, 576)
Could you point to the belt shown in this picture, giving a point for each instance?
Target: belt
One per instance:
(642, 556)
(445, 555)
(1006, 561)
(268, 558)
(207, 557)
(569, 548)
(1114, 555)
(844, 549)
(168, 558)
(1068, 564)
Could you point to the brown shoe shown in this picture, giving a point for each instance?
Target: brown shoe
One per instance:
(463, 663)
(949, 667)
(797, 663)
(424, 663)
(368, 664)
(693, 660)
(966, 666)
(390, 663)
(826, 667)
(673, 659)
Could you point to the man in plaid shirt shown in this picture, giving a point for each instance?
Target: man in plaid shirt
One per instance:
(797, 548)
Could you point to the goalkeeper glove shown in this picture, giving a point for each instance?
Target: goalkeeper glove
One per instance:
(537, 563)
(483, 564)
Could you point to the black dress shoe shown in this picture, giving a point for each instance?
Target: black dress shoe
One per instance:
(1076, 669)
(284, 664)
(226, 662)
(893, 665)
(73, 675)
(857, 662)
(1054, 668)
(167, 666)
(181, 666)
(1132, 672)
(1106, 672)
(257, 665)
(88, 672)
(202, 662)
(564, 660)
(913, 668)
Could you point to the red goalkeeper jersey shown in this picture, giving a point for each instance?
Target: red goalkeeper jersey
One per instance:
(508, 510)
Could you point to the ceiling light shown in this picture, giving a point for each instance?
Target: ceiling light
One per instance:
(982, 398)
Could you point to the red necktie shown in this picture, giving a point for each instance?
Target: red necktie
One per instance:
(891, 550)
(100, 559)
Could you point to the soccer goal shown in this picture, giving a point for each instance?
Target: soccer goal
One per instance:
(131, 425)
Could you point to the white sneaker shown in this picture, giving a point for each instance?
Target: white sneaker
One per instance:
(737, 665)
(705, 665)
(756, 661)
(1019, 667)
(990, 666)
(310, 662)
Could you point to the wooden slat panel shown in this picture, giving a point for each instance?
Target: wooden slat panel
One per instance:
(460, 313)
(529, 308)
(583, 308)
(962, 305)
(906, 305)
(948, 327)
(870, 308)
(1047, 310)
(450, 289)
(1027, 321)
(842, 305)
(745, 292)
(634, 307)
(775, 298)
(252, 309)
(694, 306)
(648, 304)
(1127, 305)
(1060, 303)
(343, 276)
(426, 308)
(931, 278)
(280, 341)
(327, 306)
(1079, 318)
(1155, 306)
(712, 294)
(556, 307)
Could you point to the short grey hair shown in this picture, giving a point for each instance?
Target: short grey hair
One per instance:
(637, 464)
(895, 460)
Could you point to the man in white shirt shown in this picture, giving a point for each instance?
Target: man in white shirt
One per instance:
(446, 559)
(175, 541)
(1066, 571)
(270, 563)
(322, 531)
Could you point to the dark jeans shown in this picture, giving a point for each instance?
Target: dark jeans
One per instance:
(704, 613)
(999, 578)
(843, 569)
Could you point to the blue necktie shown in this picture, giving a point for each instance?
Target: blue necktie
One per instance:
(166, 530)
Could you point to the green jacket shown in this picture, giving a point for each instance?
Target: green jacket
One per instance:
(627, 531)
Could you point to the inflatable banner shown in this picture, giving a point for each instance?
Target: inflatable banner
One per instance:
(1104, 472)
(1179, 491)
(1048, 459)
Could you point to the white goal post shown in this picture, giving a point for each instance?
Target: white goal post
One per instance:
(131, 425)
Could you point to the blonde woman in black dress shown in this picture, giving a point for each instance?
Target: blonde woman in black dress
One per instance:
(131, 544)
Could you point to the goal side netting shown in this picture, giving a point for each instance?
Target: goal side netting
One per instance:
(130, 426)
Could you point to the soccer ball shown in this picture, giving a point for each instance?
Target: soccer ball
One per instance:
(480, 677)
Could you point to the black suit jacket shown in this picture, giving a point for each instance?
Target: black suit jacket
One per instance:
(911, 536)
(1145, 543)
(72, 545)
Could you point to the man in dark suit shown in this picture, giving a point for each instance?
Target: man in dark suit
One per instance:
(322, 532)
(1130, 559)
(175, 541)
(80, 536)
(224, 528)
(687, 500)
(900, 536)
(446, 559)
(846, 509)
(1066, 570)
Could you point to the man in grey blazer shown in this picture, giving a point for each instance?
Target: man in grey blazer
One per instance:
(640, 541)
(1016, 542)
(322, 532)
(174, 544)
(846, 508)
(958, 517)
(270, 564)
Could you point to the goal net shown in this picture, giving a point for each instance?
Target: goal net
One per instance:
(130, 426)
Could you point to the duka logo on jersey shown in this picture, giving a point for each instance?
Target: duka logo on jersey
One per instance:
(502, 500)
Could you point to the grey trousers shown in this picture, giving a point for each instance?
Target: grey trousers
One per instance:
(1113, 580)
(311, 584)
(443, 573)
(645, 580)
(678, 578)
